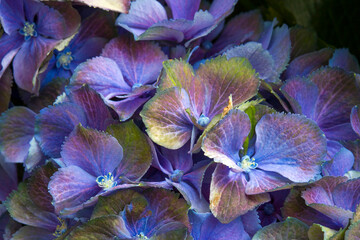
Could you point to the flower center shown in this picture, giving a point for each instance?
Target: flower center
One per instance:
(247, 163)
(28, 31)
(106, 181)
(141, 236)
(64, 59)
(176, 176)
(61, 228)
(203, 120)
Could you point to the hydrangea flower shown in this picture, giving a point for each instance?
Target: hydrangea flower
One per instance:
(148, 19)
(287, 149)
(94, 163)
(152, 214)
(124, 74)
(330, 202)
(32, 31)
(183, 174)
(189, 100)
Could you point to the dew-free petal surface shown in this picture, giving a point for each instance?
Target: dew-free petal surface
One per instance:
(223, 77)
(340, 160)
(54, 123)
(17, 130)
(140, 62)
(224, 141)
(291, 228)
(228, 199)
(264, 181)
(136, 150)
(71, 186)
(355, 119)
(165, 118)
(185, 9)
(95, 152)
(344, 59)
(291, 145)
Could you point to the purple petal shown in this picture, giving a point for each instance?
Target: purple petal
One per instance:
(54, 123)
(291, 228)
(222, 8)
(228, 199)
(263, 181)
(12, 15)
(127, 107)
(23, 210)
(355, 119)
(354, 147)
(142, 15)
(8, 178)
(291, 145)
(242, 28)
(9, 46)
(17, 130)
(165, 118)
(303, 40)
(307, 63)
(302, 95)
(338, 94)
(259, 58)
(95, 152)
(163, 32)
(344, 59)
(183, 9)
(89, 48)
(191, 195)
(137, 153)
(97, 114)
(339, 215)
(103, 75)
(202, 25)
(340, 159)
(279, 49)
(223, 77)
(295, 206)
(37, 50)
(347, 195)
(224, 141)
(207, 227)
(266, 35)
(71, 186)
(178, 159)
(60, 23)
(139, 62)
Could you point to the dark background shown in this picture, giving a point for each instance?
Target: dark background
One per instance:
(336, 22)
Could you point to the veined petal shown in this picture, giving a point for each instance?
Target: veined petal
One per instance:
(228, 199)
(344, 59)
(25, 70)
(142, 15)
(137, 153)
(103, 75)
(54, 123)
(307, 63)
(12, 15)
(224, 141)
(355, 119)
(139, 62)
(71, 186)
(95, 152)
(223, 78)
(166, 120)
(338, 94)
(340, 160)
(17, 130)
(183, 9)
(291, 145)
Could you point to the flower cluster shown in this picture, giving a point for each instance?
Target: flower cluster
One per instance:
(167, 119)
